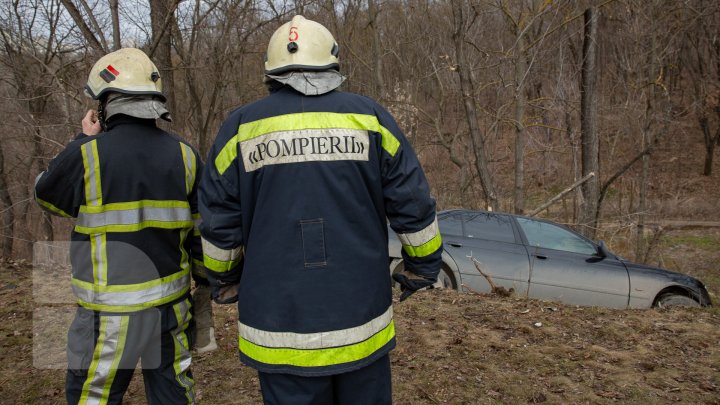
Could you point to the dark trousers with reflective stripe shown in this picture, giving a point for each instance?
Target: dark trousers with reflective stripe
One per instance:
(369, 385)
(104, 349)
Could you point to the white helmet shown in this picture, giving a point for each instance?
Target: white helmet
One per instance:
(127, 71)
(301, 44)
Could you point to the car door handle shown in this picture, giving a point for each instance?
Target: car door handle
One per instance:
(455, 244)
(541, 257)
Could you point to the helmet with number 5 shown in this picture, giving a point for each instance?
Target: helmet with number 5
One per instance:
(127, 71)
(301, 45)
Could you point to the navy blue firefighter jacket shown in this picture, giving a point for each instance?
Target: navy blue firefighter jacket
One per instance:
(295, 198)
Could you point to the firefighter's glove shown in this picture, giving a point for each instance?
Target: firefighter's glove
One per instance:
(224, 292)
(410, 282)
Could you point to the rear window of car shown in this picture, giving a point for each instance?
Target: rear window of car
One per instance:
(478, 225)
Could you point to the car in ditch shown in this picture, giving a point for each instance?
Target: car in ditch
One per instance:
(540, 259)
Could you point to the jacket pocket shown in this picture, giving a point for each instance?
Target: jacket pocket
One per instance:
(313, 238)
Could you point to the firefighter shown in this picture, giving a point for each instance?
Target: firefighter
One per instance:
(294, 201)
(132, 189)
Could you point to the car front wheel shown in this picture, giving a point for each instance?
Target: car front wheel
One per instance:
(676, 300)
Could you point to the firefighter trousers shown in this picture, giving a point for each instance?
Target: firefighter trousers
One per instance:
(370, 385)
(104, 349)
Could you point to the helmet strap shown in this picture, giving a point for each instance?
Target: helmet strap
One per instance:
(101, 113)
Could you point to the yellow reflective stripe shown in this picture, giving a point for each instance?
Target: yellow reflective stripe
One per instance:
(302, 121)
(106, 359)
(119, 349)
(318, 357)
(424, 250)
(129, 287)
(135, 307)
(181, 362)
(189, 162)
(99, 346)
(184, 257)
(220, 266)
(198, 268)
(98, 256)
(134, 227)
(91, 164)
(48, 206)
(131, 205)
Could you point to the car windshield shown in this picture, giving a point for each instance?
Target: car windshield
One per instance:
(549, 236)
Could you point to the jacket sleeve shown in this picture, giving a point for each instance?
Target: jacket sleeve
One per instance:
(220, 209)
(193, 243)
(59, 189)
(408, 204)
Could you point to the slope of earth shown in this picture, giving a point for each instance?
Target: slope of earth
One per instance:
(452, 349)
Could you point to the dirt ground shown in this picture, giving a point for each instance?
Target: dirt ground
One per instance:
(452, 348)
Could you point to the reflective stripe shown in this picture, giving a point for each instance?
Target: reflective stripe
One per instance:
(189, 161)
(98, 252)
(307, 145)
(53, 209)
(131, 296)
(319, 340)
(422, 243)
(318, 357)
(198, 268)
(182, 360)
(133, 216)
(303, 121)
(91, 163)
(220, 260)
(106, 358)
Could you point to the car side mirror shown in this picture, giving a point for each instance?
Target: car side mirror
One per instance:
(603, 250)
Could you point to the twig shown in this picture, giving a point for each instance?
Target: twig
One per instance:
(561, 194)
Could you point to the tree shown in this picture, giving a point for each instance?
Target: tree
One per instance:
(588, 118)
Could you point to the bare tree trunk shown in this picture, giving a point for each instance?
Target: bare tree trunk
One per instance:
(8, 215)
(117, 43)
(588, 123)
(520, 100)
(467, 89)
(86, 31)
(379, 85)
(161, 14)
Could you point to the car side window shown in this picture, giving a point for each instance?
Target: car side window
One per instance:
(488, 226)
(451, 225)
(549, 236)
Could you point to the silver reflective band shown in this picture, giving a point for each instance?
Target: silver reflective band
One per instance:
(108, 342)
(133, 216)
(189, 167)
(305, 145)
(91, 175)
(420, 238)
(123, 298)
(221, 255)
(319, 340)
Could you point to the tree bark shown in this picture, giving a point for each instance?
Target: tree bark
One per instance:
(379, 85)
(588, 124)
(520, 100)
(467, 90)
(86, 31)
(8, 215)
(117, 43)
(161, 15)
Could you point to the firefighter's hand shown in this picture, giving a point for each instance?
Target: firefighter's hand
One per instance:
(410, 283)
(91, 124)
(225, 293)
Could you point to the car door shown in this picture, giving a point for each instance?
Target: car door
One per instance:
(492, 240)
(565, 266)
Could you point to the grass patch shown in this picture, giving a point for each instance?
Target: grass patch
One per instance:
(705, 242)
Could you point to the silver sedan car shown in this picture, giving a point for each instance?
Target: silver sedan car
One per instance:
(540, 259)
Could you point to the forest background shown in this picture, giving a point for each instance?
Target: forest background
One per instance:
(507, 103)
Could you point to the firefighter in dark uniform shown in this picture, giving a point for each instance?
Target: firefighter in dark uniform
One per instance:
(294, 201)
(132, 189)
